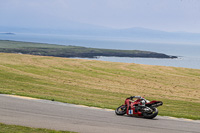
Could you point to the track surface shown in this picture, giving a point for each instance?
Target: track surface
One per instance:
(61, 116)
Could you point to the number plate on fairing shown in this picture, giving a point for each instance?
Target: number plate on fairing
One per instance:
(130, 112)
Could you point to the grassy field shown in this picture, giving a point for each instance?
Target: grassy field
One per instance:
(101, 84)
(21, 129)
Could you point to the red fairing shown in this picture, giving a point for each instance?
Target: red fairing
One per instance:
(131, 107)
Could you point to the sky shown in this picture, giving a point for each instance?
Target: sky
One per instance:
(166, 15)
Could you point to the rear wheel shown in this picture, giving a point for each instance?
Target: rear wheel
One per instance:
(121, 110)
(151, 115)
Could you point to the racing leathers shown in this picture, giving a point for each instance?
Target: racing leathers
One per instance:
(142, 100)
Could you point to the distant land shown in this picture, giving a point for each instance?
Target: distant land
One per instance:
(134, 33)
(8, 33)
(43, 49)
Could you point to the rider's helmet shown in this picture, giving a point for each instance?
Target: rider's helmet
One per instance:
(143, 102)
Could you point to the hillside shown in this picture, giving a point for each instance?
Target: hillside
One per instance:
(72, 51)
(101, 84)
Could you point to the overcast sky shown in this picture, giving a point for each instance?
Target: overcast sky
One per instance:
(168, 15)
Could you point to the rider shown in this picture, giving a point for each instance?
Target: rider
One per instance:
(142, 100)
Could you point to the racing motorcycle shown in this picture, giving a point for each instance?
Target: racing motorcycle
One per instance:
(140, 107)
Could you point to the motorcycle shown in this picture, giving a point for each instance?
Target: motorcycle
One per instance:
(135, 108)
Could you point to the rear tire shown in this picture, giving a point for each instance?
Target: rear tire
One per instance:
(121, 110)
(151, 115)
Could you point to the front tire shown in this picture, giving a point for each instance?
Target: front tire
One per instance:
(152, 114)
(121, 110)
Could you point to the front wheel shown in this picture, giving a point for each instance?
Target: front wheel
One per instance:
(121, 110)
(151, 115)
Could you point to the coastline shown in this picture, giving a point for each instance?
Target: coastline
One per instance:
(44, 49)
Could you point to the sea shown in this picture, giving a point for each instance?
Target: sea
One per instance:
(188, 53)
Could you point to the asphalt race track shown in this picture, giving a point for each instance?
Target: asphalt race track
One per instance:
(61, 116)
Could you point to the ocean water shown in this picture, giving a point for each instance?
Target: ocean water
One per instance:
(186, 62)
(189, 54)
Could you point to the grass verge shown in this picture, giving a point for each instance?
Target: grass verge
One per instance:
(21, 129)
(101, 84)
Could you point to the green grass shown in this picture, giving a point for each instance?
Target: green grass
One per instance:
(180, 109)
(21, 129)
(101, 84)
(18, 44)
